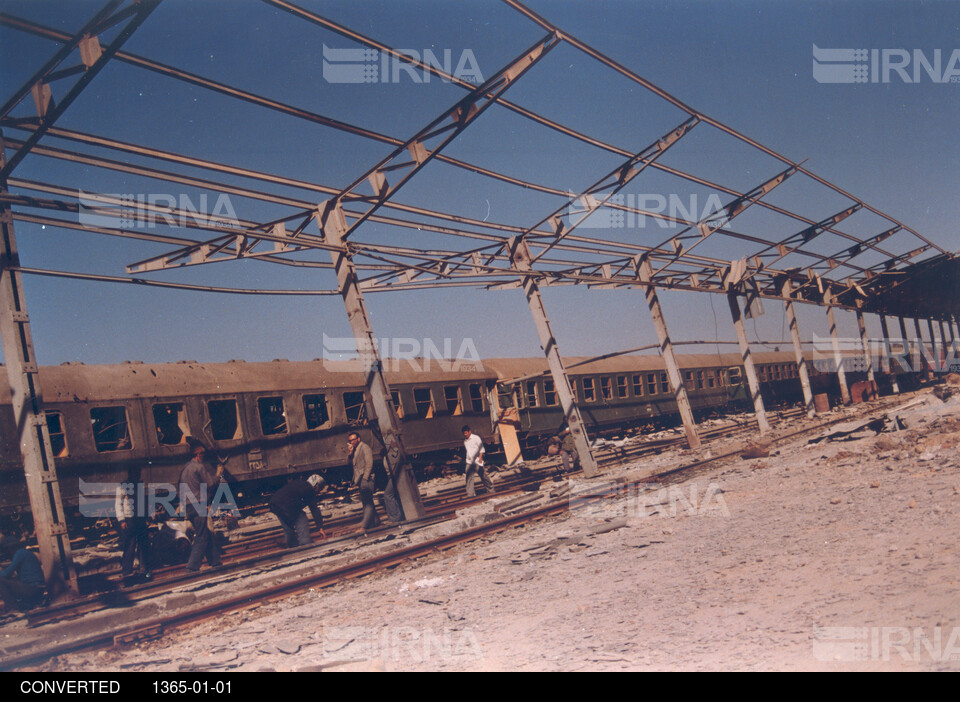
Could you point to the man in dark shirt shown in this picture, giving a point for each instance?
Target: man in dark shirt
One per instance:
(288, 503)
(22, 582)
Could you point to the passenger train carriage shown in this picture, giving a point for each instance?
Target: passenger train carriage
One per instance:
(271, 420)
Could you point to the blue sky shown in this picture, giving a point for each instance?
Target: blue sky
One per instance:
(748, 64)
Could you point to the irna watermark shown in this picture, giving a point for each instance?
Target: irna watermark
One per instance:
(402, 353)
(885, 65)
(647, 500)
(885, 643)
(148, 210)
(374, 66)
(402, 645)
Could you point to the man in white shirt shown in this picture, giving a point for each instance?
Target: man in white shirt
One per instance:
(473, 446)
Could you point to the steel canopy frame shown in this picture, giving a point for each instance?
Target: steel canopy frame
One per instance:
(550, 254)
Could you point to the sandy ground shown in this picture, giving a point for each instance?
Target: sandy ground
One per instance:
(840, 555)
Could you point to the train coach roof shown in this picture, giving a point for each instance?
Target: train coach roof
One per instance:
(509, 368)
(82, 383)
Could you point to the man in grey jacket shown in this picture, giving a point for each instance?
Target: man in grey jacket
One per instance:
(361, 458)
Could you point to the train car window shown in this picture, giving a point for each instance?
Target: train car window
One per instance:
(451, 396)
(621, 386)
(397, 405)
(664, 384)
(476, 398)
(355, 408)
(776, 372)
(711, 378)
(549, 393)
(224, 419)
(589, 393)
(505, 396)
(688, 380)
(651, 383)
(273, 419)
(424, 400)
(170, 419)
(700, 383)
(315, 410)
(58, 438)
(533, 399)
(110, 431)
(719, 374)
(575, 386)
(734, 376)
(637, 385)
(763, 373)
(606, 388)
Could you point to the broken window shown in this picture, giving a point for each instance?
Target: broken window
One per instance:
(621, 386)
(110, 431)
(688, 380)
(711, 378)
(170, 419)
(589, 394)
(549, 393)
(700, 383)
(606, 388)
(58, 439)
(476, 398)
(533, 400)
(424, 401)
(355, 408)
(734, 376)
(224, 419)
(451, 396)
(315, 410)
(505, 396)
(397, 405)
(273, 420)
(638, 385)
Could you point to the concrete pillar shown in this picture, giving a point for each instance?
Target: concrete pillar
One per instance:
(645, 273)
(787, 292)
(520, 257)
(396, 460)
(752, 381)
(39, 467)
(888, 353)
(837, 355)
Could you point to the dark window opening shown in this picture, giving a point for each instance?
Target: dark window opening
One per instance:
(424, 401)
(224, 420)
(315, 410)
(549, 393)
(451, 397)
(606, 388)
(397, 405)
(476, 398)
(621, 386)
(355, 408)
(664, 383)
(273, 420)
(589, 394)
(638, 385)
(170, 420)
(651, 383)
(110, 431)
(58, 438)
(533, 400)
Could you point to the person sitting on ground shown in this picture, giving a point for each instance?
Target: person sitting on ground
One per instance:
(21, 583)
(287, 504)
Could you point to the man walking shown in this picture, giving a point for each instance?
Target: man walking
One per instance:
(474, 452)
(361, 458)
(196, 483)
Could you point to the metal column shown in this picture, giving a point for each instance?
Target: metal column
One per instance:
(935, 353)
(888, 353)
(752, 380)
(395, 455)
(645, 273)
(787, 291)
(924, 358)
(39, 467)
(865, 343)
(837, 355)
(520, 256)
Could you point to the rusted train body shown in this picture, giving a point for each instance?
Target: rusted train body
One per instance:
(270, 420)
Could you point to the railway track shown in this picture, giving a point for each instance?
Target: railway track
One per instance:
(442, 506)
